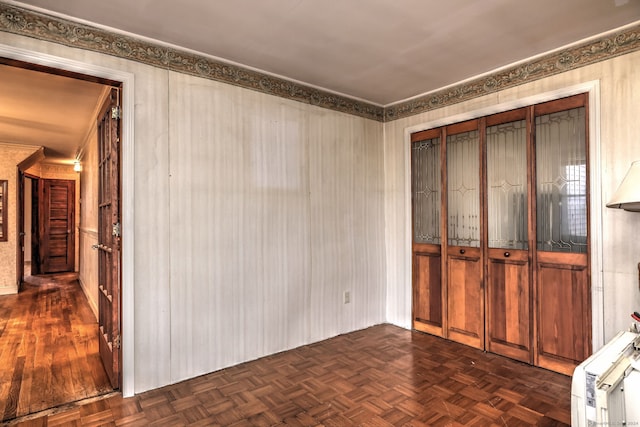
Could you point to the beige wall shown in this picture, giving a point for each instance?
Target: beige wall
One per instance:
(11, 156)
(88, 229)
(617, 146)
(253, 214)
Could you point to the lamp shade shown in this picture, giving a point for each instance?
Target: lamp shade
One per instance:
(628, 195)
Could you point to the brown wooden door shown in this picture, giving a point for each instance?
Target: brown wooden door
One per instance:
(464, 218)
(35, 226)
(20, 222)
(56, 225)
(562, 279)
(509, 296)
(426, 195)
(109, 237)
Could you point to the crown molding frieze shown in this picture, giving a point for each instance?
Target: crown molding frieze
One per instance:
(29, 23)
(588, 53)
(57, 30)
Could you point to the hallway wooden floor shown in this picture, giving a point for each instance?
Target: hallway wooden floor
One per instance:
(48, 347)
(380, 376)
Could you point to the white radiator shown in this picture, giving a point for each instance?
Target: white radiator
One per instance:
(605, 388)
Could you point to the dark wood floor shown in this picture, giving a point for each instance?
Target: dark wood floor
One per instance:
(48, 347)
(380, 376)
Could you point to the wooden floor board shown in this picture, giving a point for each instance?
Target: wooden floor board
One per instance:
(49, 347)
(380, 376)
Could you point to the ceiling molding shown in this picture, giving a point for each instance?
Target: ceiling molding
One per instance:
(48, 28)
(28, 23)
(583, 54)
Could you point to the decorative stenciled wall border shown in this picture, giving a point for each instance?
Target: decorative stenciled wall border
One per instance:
(44, 27)
(52, 29)
(575, 57)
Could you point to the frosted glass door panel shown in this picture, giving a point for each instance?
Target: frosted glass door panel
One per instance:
(463, 189)
(507, 185)
(425, 190)
(561, 167)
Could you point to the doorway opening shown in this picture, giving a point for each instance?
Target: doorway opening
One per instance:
(65, 320)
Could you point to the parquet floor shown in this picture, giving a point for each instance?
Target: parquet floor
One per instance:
(48, 347)
(380, 376)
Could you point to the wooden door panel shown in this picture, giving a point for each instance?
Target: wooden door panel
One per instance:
(109, 237)
(508, 304)
(57, 225)
(427, 297)
(563, 309)
(465, 302)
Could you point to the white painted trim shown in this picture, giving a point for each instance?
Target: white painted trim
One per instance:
(595, 160)
(127, 156)
(9, 290)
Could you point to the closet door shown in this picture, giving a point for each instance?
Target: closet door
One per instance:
(563, 304)
(508, 285)
(426, 184)
(465, 295)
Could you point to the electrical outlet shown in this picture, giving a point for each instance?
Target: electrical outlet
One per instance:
(347, 297)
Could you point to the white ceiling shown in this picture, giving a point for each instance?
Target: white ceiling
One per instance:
(380, 51)
(47, 110)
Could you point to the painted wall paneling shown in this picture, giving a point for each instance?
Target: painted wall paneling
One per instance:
(275, 213)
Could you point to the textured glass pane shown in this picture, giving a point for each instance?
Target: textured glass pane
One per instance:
(561, 168)
(507, 185)
(463, 189)
(425, 190)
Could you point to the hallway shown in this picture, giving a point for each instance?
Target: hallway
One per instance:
(49, 347)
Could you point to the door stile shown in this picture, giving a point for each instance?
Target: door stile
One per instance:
(531, 229)
(444, 260)
(484, 229)
(444, 245)
(533, 226)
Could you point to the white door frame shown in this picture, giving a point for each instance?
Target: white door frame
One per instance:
(127, 175)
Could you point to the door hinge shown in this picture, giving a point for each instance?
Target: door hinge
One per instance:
(115, 112)
(117, 341)
(115, 231)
